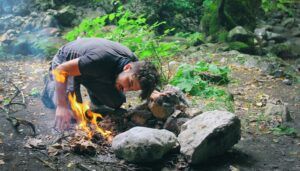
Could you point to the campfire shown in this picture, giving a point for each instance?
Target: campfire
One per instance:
(85, 118)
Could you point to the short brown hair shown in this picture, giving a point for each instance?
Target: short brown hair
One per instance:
(147, 75)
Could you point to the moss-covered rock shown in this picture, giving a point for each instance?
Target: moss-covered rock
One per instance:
(66, 15)
(227, 14)
(241, 47)
(283, 50)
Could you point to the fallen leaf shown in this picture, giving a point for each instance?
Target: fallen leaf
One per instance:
(232, 168)
(53, 151)
(35, 143)
(259, 104)
(70, 164)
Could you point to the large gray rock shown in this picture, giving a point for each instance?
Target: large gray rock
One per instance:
(141, 144)
(238, 34)
(278, 38)
(289, 22)
(209, 134)
(261, 32)
(288, 49)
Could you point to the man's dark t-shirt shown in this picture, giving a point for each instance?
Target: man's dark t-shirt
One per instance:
(98, 57)
(100, 61)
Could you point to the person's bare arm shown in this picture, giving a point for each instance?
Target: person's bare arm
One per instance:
(63, 113)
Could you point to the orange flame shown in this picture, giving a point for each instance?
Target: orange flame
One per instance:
(60, 75)
(86, 118)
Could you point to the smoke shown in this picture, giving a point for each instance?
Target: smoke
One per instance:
(25, 29)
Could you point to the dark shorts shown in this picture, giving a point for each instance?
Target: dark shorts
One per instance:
(101, 92)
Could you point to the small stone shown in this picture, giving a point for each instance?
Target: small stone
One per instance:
(287, 81)
(278, 74)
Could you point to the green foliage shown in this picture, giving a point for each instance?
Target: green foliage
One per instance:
(34, 92)
(284, 130)
(132, 31)
(193, 39)
(276, 5)
(129, 30)
(181, 5)
(210, 18)
(6, 101)
(188, 79)
(222, 36)
(221, 103)
(239, 46)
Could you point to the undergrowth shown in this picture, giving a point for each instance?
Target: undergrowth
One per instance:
(204, 80)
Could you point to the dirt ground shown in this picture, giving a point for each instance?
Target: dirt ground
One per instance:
(258, 149)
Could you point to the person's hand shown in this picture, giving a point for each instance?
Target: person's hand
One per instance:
(62, 118)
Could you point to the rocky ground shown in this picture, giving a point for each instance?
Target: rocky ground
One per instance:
(253, 89)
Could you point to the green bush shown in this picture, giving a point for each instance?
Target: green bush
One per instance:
(193, 39)
(128, 29)
(284, 130)
(222, 36)
(188, 79)
(239, 46)
(276, 5)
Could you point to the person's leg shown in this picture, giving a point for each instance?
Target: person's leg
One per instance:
(48, 91)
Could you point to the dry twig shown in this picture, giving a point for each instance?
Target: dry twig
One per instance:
(50, 165)
(16, 122)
